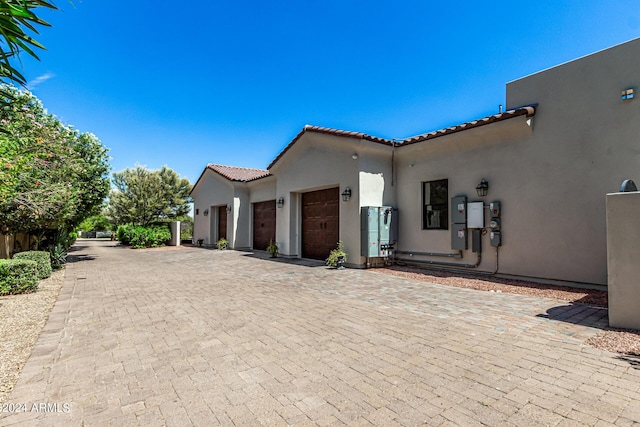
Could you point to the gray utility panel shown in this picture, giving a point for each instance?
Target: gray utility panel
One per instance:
(459, 223)
(375, 231)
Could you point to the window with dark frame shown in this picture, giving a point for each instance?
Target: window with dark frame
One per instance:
(435, 205)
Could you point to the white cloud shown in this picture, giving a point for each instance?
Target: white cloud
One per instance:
(41, 79)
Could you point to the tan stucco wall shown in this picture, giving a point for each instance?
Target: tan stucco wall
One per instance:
(317, 161)
(551, 179)
(212, 191)
(585, 142)
(464, 159)
(623, 258)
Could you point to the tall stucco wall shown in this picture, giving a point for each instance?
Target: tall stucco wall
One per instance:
(585, 142)
(551, 177)
(239, 219)
(212, 191)
(623, 257)
(319, 161)
(464, 159)
(262, 190)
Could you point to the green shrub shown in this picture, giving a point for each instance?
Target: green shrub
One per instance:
(332, 260)
(42, 258)
(123, 234)
(58, 255)
(17, 276)
(144, 237)
(222, 244)
(273, 249)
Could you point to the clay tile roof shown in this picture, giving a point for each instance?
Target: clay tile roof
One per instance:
(330, 131)
(234, 173)
(528, 111)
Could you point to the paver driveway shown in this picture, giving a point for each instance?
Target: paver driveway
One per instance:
(199, 337)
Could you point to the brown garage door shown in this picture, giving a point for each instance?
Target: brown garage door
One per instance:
(222, 222)
(264, 224)
(320, 222)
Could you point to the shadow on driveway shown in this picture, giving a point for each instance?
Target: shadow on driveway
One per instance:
(579, 314)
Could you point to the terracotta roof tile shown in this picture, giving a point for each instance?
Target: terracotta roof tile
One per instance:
(528, 111)
(330, 131)
(234, 173)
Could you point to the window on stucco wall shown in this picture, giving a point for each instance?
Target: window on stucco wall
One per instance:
(435, 205)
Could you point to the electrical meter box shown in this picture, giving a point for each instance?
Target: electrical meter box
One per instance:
(459, 223)
(459, 237)
(495, 237)
(459, 210)
(475, 215)
(495, 209)
(376, 231)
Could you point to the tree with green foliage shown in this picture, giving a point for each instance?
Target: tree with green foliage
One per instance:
(96, 223)
(52, 177)
(17, 17)
(142, 196)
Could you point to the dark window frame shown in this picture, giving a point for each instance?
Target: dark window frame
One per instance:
(435, 205)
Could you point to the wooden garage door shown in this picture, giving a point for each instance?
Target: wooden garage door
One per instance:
(222, 222)
(264, 224)
(320, 222)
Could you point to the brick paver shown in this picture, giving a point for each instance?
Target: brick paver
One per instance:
(200, 337)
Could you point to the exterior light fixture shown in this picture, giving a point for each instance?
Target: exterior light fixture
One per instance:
(482, 188)
(346, 194)
(627, 186)
(206, 212)
(280, 202)
(627, 94)
(197, 211)
(354, 156)
(228, 208)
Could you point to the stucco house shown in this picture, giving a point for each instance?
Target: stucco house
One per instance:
(568, 136)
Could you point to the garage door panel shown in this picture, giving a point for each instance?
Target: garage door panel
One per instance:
(320, 222)
(264, 224)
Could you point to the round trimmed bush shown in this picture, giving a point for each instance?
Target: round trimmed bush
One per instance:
(42, 259)
(17, 276)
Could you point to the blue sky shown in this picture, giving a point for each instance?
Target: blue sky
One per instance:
(184, 84)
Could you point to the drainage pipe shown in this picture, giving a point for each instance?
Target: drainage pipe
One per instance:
(456, 267)
(448, 255)
(442, 263)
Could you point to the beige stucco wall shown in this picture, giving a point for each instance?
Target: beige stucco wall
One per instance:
(623, 258)
(464, 159)
(212, 191)
(240, 218)
(551, 178)
(587, 141)
(318, 161)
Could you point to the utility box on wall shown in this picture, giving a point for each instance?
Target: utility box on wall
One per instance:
(459, 223)
(375, 231)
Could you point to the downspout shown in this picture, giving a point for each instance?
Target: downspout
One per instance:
(393, 155)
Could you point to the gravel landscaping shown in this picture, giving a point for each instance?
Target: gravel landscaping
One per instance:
(22, 318)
